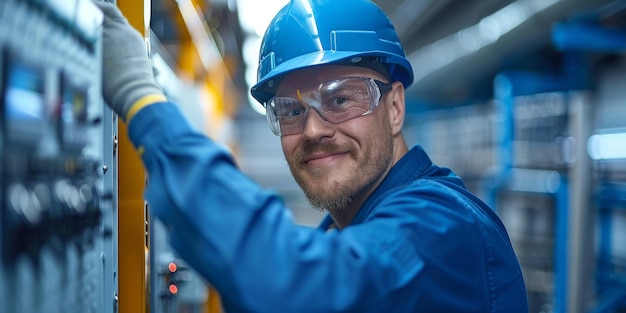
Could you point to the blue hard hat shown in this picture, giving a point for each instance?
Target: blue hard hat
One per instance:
(306, 33)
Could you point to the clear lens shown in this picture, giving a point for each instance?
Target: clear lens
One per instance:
(335, 101)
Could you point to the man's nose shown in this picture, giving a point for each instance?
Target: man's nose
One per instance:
(316, 126)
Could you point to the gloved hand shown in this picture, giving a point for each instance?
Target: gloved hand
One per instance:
(128, 78)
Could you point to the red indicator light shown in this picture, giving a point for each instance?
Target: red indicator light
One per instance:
(172, 267)
(173, 289)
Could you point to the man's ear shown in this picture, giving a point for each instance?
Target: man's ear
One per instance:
(396, 108)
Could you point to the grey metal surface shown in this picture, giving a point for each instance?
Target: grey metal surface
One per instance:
(58, 226)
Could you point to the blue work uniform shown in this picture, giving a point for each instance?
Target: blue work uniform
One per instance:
(421, 242)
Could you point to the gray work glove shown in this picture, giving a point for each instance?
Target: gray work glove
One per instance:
(127, 73)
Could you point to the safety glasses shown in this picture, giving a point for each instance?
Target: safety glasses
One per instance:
(336, 101)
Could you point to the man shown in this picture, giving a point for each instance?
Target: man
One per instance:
(401, 235)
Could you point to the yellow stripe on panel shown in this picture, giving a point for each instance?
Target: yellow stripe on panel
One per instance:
(132, 237)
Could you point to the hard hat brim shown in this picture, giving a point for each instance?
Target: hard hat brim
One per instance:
(399, 68)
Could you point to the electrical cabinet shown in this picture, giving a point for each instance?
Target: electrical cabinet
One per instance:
(57, 163)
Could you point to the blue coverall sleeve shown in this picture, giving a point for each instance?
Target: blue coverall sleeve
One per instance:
(242, 239)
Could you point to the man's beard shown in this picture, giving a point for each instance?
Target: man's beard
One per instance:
(339, 195)
(322, 202)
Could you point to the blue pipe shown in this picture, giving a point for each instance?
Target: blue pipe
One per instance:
(561, 264)
(527, 83)
(587, 36)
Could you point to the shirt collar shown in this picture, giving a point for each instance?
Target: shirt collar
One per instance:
(411, 166)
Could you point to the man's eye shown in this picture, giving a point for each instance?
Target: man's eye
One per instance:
(294, 112)
(290, 111)
(338, 102)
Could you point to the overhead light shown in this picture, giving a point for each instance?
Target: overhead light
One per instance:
(608, 146)
(442, 52)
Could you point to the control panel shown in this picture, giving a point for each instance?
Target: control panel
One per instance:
(57, 169)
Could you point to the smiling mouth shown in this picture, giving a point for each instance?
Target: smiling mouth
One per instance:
(323, 159)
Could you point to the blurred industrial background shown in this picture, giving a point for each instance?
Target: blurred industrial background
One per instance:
(524, 99)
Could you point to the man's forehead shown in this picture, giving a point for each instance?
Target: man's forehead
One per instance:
(323, 73)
